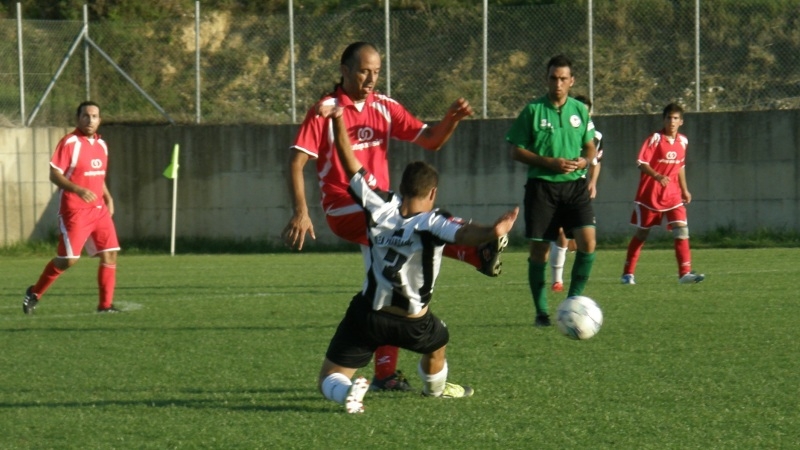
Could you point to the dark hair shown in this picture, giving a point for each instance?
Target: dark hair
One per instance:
(419, 178)
(559, 61)
(83, 105)
(671, 109)
(585, 100)
(350, 54)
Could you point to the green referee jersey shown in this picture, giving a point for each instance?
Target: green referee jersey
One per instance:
(542, 129)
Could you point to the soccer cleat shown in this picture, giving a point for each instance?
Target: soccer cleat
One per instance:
(691, 278)
(627, 279)
(394, 382)
(355, 396)
(456, 391)
(490, 256)
(542, 320)
(110, 310)
(557, 287)
(30, 301)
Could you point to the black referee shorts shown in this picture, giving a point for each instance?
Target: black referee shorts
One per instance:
(363, 330)
(550, 206)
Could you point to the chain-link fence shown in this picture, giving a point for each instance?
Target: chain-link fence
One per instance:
(631, 56)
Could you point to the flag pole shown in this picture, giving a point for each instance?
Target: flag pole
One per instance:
(174, 213)
(172, 172)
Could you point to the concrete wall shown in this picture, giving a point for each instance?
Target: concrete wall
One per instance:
(742, 171)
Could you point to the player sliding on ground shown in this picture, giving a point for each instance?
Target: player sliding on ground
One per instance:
(406, 237)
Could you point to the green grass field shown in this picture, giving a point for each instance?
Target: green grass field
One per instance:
(223, 352)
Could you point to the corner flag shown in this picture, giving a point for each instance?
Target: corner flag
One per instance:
(171, 171)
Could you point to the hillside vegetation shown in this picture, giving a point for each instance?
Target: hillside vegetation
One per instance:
(643, 55)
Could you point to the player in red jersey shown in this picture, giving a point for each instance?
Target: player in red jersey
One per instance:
(373, 120)
(78, 167)
(662, 193)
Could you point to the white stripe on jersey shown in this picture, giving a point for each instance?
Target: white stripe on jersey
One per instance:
(405, 253)
(76, 153)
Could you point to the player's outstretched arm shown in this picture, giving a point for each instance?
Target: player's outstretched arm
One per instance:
(472, 234)
(434, 137)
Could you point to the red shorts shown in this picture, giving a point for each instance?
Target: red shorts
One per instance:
(91, 228)
(350, 227)
(644, 217)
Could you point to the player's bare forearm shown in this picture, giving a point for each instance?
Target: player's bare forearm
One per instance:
(350, 163)
(297, 189)
(589, 151)
(687, 196)
(558, 165)
(300, 223)
(434, 137)
(649, 171)
(58, 178)
(473, 234)
(109, 201)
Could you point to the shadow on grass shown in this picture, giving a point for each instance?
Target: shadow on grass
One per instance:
(282, 405)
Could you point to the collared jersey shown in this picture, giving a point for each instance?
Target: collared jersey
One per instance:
(551, 132)
(83, 161)
(369, 129)
(405, 253)
(667, 157)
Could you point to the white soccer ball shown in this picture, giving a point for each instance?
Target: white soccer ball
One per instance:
(579, 317)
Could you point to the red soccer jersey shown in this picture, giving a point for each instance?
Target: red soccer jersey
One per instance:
(369, 129)
(83, 162)
(666, 157)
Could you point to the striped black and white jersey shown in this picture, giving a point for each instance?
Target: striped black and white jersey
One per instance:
(405, 253)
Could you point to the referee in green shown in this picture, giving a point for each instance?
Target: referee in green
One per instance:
(554, 137)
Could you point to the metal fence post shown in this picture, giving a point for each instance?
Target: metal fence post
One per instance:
(86, 52)
(292, 61)
(485, 59)
(590, 26)
(697, 54)
(197, 59)
(388, 44)
(21, 67)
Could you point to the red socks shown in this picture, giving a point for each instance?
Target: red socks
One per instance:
(634, 250)
(684, 256)
(386, 361)
(468, 254)
(46, 279)
(106, 281)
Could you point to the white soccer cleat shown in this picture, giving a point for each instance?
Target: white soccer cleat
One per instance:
(627, 279)
(355, 397)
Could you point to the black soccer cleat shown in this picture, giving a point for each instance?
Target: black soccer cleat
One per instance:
(30, 301)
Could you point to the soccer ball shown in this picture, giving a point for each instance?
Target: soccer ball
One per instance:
(579, 317)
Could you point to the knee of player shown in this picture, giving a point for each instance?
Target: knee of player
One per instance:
(680, 232)
(64, 263)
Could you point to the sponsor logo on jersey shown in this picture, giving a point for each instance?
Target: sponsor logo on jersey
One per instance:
(365, 136)
(96, 163)
(365, 133)
(575, 121)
